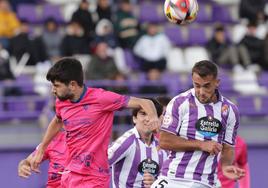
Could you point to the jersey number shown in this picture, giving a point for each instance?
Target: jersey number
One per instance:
(161, 184)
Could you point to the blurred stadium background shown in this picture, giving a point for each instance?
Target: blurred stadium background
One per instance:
(28, 48)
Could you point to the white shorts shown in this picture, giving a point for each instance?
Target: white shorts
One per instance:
(164, 182)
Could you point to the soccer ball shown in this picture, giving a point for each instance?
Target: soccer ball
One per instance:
(181, 11)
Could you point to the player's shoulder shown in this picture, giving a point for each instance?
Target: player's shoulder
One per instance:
(230, 104)
(182, 97)
(128, 138)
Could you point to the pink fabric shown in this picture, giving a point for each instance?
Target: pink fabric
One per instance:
(241, 160)
(56, 153)
(88, 123)
(74, 180)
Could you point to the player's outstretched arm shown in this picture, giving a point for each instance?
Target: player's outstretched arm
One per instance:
(148, 106)
(229, 170)
(24, 167)
(52, 130)
(169, 141)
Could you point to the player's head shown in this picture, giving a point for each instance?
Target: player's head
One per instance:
(141, 119)
(205, 80)
(66, 76)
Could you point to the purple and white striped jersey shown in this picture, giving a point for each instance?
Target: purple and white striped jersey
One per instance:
(186, 117)
(127, 156)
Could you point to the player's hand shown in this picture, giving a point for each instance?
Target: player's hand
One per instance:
(154, 124)
(212, 147)
(36, 160)
(233, 172)
(148, 179)
(24, 169)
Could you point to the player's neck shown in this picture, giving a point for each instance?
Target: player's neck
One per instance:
(147, 138)
(78, 93)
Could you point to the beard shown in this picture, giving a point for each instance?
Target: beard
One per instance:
(65, 97)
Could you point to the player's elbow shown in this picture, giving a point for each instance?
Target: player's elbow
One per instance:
(164, 142)
(163, 145)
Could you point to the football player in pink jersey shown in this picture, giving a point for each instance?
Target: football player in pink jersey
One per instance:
(240, 160)
(87, 115)
(56, 153)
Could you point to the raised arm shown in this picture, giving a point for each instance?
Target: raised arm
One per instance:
(148, 106)
(52, 130)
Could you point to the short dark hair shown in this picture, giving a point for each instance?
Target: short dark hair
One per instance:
(163, 100)
(205, 68)
(66, 70)
(157, 105)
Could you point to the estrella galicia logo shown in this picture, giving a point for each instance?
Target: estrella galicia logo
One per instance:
(150, 166)
(208, 126)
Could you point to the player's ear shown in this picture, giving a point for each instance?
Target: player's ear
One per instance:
(134, 119)
(218, 83)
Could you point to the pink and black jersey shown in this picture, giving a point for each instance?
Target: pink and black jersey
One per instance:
(129, 157)
(241, 159)
(57, 154)
(186, 117)
(88, 123)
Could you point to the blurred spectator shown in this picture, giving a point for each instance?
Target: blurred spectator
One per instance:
(68, 7)
(105, 33)
(74, 41)
(126, 25)
(223, 52)
(104, 10)
(101, 65)
(252, 10)
(6, 75)
(22, 44)
(84, 18)
(8, 23)
(253, 44)
(152, 48)
(264, 64)
(153, 83)
(52, 38)
(5, 72)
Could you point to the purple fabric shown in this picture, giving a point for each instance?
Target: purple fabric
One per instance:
(119, 152)
(130, 179)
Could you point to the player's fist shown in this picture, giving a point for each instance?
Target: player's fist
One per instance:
(24, 169)
(37, 159)
(148, 179)
(233, 172)
(212, 147)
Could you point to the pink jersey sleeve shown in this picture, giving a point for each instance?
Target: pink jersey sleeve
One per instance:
(111, 101)
(242, 159)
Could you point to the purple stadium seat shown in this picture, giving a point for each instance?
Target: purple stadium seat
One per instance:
(263, 79)
(52, 11)
(25, 83)
(247, 107)
(23, 108)
(221, 13)
(131, 61)
(149, 13)
(264, 104)
(197, 36)
(202, 15)
(226, 83)
(175, 35)
(28, 12)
